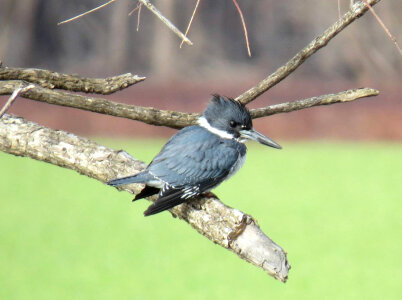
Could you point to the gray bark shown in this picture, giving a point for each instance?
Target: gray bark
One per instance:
(223, 225)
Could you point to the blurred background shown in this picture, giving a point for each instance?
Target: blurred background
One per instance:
(106, 43)
(331, 198)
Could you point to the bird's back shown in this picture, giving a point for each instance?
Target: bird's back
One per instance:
(195, 155)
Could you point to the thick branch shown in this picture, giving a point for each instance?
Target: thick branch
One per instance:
(225, 226)
(74, 83)
(355, 12)
(346, 96)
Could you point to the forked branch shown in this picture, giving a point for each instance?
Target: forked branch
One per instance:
(355, 12)
(158, 117)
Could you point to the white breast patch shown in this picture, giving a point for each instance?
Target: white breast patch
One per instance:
(236, 167)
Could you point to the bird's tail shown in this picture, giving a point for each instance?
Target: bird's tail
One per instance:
(138, 178)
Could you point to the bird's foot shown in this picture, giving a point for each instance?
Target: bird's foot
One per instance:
(209, 195)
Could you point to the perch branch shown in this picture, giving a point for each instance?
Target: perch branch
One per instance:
(74, 83)
(173, 119)
(169, 24)
(225, 226)
(355, 12)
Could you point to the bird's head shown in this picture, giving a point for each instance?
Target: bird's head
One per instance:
(231, 119)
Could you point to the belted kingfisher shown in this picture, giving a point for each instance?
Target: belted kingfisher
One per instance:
(198, 158)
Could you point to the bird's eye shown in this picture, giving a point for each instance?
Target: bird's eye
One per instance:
(232, 124)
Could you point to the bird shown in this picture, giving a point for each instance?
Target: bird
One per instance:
(199, 157)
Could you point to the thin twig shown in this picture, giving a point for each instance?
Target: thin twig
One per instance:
(339, 9)
(191, 21)
(393, 39)
(139, 14)
(139, 17)
(13, 97)
(135, 9)
(86, 13)
(345, 96)
(244, 26)
(169, 24)
(319, 42)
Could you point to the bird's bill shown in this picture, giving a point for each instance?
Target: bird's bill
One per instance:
(258, 137)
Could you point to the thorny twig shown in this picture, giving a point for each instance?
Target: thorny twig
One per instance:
(138, 16)
(135, 9)
(191, 21)
(169, 24)
(86, 13)
(14, 96)
(393, 39)
(244, 27)
(150, 6)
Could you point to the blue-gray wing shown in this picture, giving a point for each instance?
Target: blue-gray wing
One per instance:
(192, 162)
(194, 157)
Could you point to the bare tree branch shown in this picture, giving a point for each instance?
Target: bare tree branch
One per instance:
(146, 3)
(355, 12)
(147, 115)
(172, 119)
(346, 96)
(74, 83)
(225, 226)
(168, 118)
(169, 24)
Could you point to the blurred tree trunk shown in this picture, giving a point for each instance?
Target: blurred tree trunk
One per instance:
(118, 37)
(21, 16)
(164, 42)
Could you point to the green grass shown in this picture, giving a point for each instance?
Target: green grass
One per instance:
(335, 208)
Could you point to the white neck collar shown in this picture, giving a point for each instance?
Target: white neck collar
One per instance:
(223, 134)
